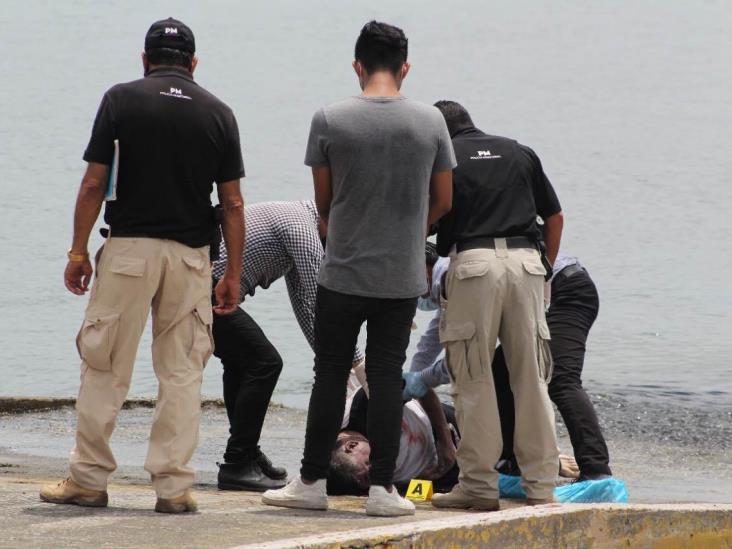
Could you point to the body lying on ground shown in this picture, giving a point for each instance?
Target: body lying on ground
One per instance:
(429, 437)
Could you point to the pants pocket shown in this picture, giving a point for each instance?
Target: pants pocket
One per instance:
(462, 353)
(195, 262)
(202, 342)
(96, 339)
(534, 266)
(471, 269)
(544, 351)
(128, 266)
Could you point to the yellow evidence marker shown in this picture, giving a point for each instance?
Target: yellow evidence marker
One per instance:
(419, 490)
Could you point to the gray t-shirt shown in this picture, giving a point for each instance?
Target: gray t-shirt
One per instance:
(382, 152)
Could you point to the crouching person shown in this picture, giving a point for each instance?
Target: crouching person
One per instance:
(283, 240)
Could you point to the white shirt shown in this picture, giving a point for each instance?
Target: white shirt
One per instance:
(417, 450)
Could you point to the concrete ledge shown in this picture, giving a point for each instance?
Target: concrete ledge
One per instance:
(699, 526)
(21, 405)
(238, 519)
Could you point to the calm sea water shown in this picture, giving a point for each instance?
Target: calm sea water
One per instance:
(627, 104)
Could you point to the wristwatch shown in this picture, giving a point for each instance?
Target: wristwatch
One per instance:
(77, 257)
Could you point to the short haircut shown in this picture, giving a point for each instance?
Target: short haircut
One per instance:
(169, 57)
(456, 116)
(343, 478)
(381, 47)
(431, 255)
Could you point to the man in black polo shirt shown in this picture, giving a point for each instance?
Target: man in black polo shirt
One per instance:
(173, 141)
(494, 289)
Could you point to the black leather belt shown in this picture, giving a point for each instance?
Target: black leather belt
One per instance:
(489, 242)
(568, 271)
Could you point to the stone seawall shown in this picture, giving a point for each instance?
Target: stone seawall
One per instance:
(567, 526)
(20, 405)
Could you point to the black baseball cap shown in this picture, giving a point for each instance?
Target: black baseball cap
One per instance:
(172, 34)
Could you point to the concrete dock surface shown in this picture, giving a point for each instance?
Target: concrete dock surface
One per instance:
(34, 448)
(238, 519)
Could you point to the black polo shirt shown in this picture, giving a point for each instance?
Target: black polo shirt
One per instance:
(175, 141)
(499, 187)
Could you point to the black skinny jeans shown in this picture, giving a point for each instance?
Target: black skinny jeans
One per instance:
(573, 309)
(338, 320)
(252, 367)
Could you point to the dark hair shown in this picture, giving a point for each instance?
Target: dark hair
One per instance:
(430, 252)
(343, 478)
(456, 116)
(381, 47)
(170, 57)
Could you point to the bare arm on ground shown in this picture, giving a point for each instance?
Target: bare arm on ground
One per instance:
(446, 450)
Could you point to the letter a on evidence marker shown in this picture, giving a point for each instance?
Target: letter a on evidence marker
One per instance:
(419, 490)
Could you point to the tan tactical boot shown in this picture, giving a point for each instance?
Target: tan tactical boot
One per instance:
(180, 504)
(459, 499)
(67, 491)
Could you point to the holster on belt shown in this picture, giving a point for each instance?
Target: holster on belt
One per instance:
(544, 259)
(214, 252)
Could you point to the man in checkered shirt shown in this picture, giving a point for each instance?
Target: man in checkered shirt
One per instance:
(283, 239)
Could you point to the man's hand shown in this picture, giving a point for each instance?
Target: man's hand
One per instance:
(88, 203)
(232, 227)
(414, 386)
(446, 452)
(227, 296)
(77, 276)
(446, 457)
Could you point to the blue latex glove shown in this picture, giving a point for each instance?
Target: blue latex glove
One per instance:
(414, 386)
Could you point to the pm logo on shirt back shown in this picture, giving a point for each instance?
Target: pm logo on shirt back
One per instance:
(484, 155)
(175, 92)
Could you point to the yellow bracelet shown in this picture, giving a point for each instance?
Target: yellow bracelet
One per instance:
(77, 257)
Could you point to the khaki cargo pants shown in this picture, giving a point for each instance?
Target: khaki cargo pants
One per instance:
(499, 294)
(135, 275)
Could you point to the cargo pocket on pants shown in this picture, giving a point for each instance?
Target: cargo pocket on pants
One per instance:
(96, 339)
(471, 269)
(544, 352)
(127, 266)
(534, 266)
(460, 355)
(195, 262)
(202, 342)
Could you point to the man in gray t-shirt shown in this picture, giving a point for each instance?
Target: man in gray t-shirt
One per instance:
(382, 152)
(382, 168)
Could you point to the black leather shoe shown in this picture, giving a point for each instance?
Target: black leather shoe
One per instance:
(592, 476)
(508, 467)
(277, 473)
(246, 476)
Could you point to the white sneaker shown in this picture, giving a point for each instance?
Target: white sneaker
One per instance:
(298, 495)
(387, 504)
